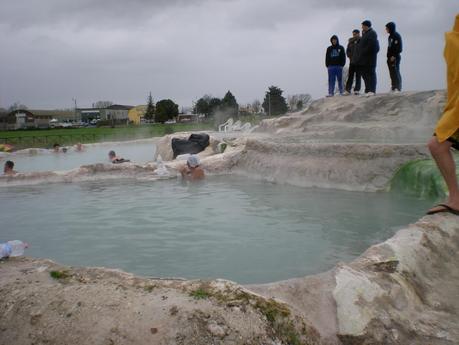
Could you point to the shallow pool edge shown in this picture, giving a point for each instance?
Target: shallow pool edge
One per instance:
(387, 293)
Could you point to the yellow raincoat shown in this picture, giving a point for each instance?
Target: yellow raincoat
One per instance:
(449, 122)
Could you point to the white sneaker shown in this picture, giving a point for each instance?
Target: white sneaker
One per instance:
(346, 93)
(396, 91)
(369, 94)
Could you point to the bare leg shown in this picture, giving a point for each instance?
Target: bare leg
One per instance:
(441, 152)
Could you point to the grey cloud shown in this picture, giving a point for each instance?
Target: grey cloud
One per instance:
(270, 14)
(20, 14)
(54, 50)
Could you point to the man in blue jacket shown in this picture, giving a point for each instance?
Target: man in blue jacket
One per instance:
(335, 59)
(394, 48)
(368, 49)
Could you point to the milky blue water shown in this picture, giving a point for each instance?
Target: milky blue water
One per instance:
(225, 227)
(47, 160)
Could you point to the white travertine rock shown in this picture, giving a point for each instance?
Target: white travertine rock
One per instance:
(354, 290)
(402, 291)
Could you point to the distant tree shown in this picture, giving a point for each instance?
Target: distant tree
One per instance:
(229, 105)
(299, 101)
(256, 106)
(304, 99)
(166, 109)
(214, 105)
(274, 103)
(150, 112)
(102, 104)
(202, 106)
(299, 105)
(16, 106)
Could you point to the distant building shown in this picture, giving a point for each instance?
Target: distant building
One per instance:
(30, 118)
(115, 113)
(188, 118)
(137, 113)
(39, 118)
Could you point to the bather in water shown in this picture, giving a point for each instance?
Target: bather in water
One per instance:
(116, 160)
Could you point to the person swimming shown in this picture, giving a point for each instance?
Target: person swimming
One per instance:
(192, 170)
(79, 147)
(116, 160)
(8, 168)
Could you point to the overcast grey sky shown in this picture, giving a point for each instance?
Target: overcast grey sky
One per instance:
(55, 50)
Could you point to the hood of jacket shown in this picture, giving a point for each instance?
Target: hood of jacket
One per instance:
(334, 37)
(391, 27)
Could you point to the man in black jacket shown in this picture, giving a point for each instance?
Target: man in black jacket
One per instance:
(394, 48)
(351, 52)
(335, 59)
(368, 49)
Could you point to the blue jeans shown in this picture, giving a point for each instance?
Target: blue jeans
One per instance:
(335, 72)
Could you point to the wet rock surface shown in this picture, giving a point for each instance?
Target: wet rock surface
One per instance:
(402, 291)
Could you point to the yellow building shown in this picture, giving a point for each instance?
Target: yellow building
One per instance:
(137, 113)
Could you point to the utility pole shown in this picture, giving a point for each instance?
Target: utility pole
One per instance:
(75, 108)
(269, 103)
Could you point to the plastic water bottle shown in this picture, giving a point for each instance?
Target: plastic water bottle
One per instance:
(12, 248)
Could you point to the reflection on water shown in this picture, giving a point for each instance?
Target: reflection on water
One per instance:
(138, 152)
(226, 227)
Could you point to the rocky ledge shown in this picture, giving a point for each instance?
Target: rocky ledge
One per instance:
(402, 291)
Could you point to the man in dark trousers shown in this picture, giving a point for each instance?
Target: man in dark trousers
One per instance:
(394, 48)
(335, 59)
(368, 49)
(351, 53)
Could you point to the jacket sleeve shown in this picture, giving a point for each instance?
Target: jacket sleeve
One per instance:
(348, 50)
(327, 57)
(342, 57)
(398, 46)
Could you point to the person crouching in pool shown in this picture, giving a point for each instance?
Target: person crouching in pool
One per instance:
(8, 169)
(192, 171)
(114, 159)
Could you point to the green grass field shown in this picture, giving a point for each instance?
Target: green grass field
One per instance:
(69, 136)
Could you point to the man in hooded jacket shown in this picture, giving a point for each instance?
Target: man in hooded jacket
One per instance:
(447, 130)
(368, 49)
(394, 48)
(335, 59)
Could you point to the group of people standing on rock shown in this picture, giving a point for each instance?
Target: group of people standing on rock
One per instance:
(362, 51)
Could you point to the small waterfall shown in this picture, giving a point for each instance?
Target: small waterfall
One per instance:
(421, 178)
